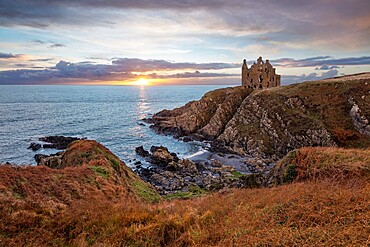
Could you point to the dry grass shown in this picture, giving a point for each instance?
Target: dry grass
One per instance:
(320, 210)
(335, 163)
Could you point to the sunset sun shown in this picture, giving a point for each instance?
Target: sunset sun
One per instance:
(141, 82)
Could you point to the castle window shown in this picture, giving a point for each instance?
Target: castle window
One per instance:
(248, 74)
(251, 80)
(260, 86)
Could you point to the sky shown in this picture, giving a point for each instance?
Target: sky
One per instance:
(179, 41)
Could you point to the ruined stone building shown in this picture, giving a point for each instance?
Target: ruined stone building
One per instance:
(260, 75)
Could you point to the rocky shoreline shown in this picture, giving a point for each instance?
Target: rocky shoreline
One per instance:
(208, 172)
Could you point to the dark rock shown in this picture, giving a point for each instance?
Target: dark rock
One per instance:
(155, 148)
(175, 158)
(161, 156)
(141, 124)
(137, 163)
(58, 142)
(52, 161)
(186, 139)
(142, 152)
(172, 166)
(147, 120)
(50, 146)
(197, 137)
(216, 163)
(34, 146)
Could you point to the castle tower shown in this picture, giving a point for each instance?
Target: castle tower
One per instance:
(244, 72)
(260, 75)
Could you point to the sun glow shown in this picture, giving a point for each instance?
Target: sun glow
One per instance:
(141, 82)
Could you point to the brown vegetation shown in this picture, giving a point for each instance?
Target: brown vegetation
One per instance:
(89, 206)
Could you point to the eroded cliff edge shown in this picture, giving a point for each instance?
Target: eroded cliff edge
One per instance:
(272, 122)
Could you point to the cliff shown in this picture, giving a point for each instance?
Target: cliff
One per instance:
(272, 122)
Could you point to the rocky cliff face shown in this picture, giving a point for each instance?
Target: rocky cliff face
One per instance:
(206, 118)
(271, 122)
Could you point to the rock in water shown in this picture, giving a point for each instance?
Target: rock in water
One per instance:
(34, 146)
(142, 152)
(58, 142)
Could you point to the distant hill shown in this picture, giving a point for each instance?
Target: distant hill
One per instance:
(271, 122)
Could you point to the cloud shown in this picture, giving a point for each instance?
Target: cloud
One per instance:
(49, 44)
(41, 60)
(327, 67)
(321, 61)
(198, 74)
(38, 41)
(57, 45)
(289, 79)
(316, 23)
(9, 55)
(121, 69)
(140, 65)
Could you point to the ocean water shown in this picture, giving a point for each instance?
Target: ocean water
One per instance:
(108, 114)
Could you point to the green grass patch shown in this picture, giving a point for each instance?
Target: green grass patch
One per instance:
(100, 171)
(194, 190)
(179, 195)
(237, 174)
(145, 191)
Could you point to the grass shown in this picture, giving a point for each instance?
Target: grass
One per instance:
(193, 191)
(100, 171)
(326, 205)
(237, 174)
(319, 162)
(145, 192)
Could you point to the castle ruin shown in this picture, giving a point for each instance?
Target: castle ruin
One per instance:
(261, 75)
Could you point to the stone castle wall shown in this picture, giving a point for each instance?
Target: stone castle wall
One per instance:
(261, 75)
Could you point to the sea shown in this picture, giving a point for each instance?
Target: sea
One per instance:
(110, 115)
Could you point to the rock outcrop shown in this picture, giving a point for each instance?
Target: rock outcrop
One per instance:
(203, 119)
(58, 142)
(92, 156)
(55, 142)
(272, 122)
